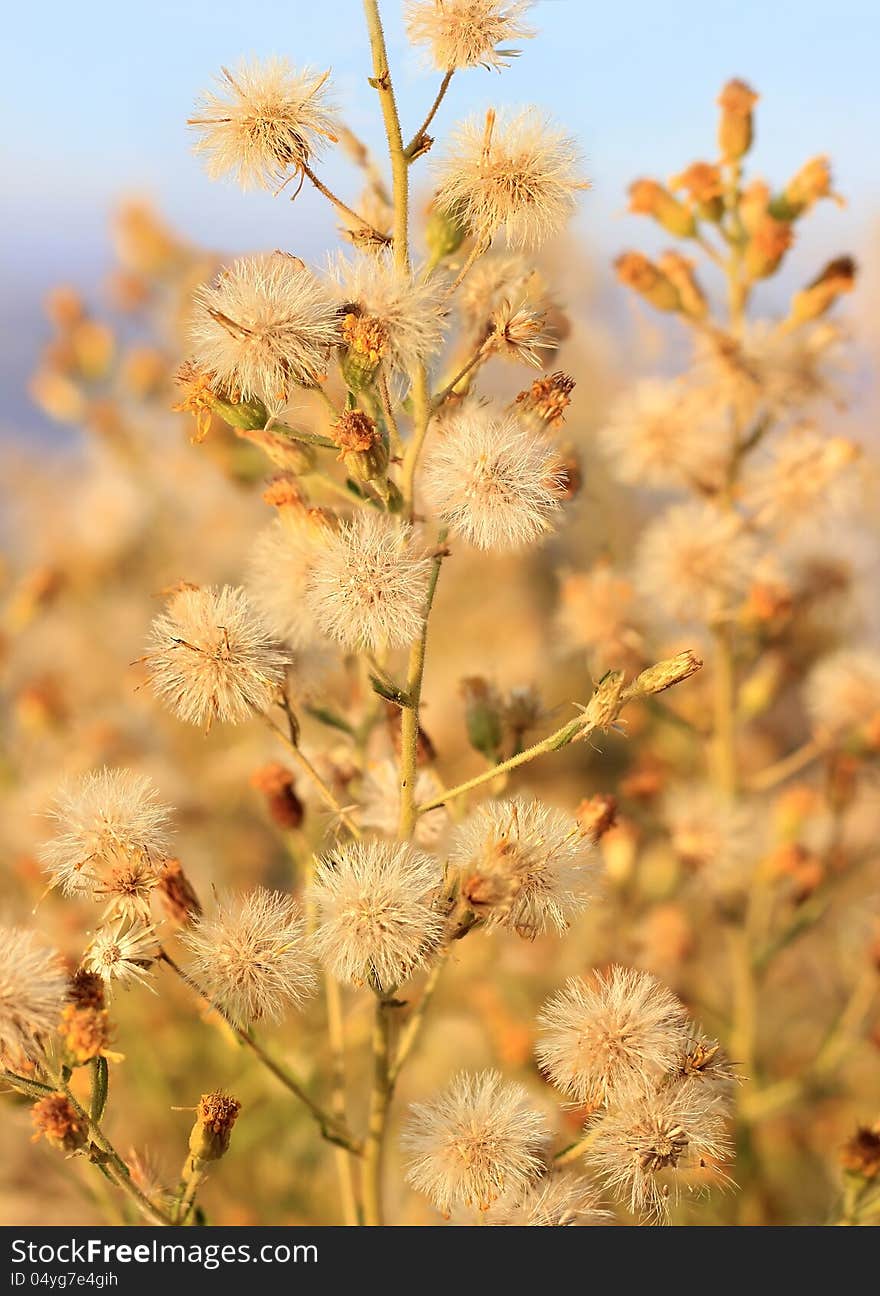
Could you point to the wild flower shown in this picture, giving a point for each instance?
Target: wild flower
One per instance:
(379, 803)
(263, 327)
(467, 33)
(367, 584)
(598, 613)
(659, 435)
(280, 566)
(211, 658)
(524, 865)
(33, 991)
(378, 915)
(513, 173)
(807, 476)
(712, 834)
(123, 953)
(843, 695)
(647, 1148)
(604, 1039)
(112, 836)
(497, 483)
(251, 957)
(269, 120)
(556, 1201)
(475, 1141)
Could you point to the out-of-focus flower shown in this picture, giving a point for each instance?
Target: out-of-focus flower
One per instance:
(270, 120)
(265, 325)
(611, 1037)
(660, 435)
(597, 613)
(380, 802)
(695, 562)
(806, 473)
(494, 481)
(515, 174)
(524, 865)
(33, 990)
(474, 1142)
(367, 583)
(250, 958)
(378, 918)
(211, 658)
(56, 1120)
(280, 565)
(556, 1201)
(718, 837)
(467, 33)
(843, 696)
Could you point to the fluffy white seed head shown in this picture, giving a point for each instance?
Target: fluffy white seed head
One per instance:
(660, 435)
(647, 1148)
(695, 563)
(367, 584)
(496, 279)
(251, 958)
(267, 120)
(556, 1201)
(843, 695)
(264, 326)
(497, 483)
(278, 575)
(390, 317)
(112, 832)
(33, 991)
(524, 865)
(515, 173)
(608, 1037)
(597, 614)
(210, 657)
(476, 1141)
(808, 476)
(123, 952)
(377, 905)
(467, 33)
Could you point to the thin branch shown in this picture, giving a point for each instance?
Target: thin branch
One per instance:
(326, 792)
(783, 769)
(374, 233)
(416, 147)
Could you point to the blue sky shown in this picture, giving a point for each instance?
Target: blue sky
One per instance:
(97, 94)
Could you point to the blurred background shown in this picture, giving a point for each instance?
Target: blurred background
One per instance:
(100, 93)
(107, 503)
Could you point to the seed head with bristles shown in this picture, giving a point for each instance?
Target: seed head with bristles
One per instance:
(264, 326)
(250, 959)
(556, 1201)
(390, 317)
(367, 583)
(606, 1038)
(112, 836)
(280, 565)
(524, 865)
(378, 916)
(515, 173)
(269, 120)
(659, 435)
(474, 1142)
(495, 481)
(211, 658)
(467, 33)
(33, 991)
(647, 1148)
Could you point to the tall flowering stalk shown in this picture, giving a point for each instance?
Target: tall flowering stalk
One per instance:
(406, 464)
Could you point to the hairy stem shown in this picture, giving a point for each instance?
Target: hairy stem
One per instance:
(409, 731)
(381, 80)
(336, 1037)
(380, 1101)
(416, 146)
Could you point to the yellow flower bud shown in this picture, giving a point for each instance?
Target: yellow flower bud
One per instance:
(735, 128)
(640, 274)
(649, 198)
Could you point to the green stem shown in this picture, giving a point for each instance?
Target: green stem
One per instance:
(380, 1101)
(381, 81)
(409, 730)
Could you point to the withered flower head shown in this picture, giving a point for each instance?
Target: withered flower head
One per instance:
(215, 1116)
(58, 1123)
(548, 397)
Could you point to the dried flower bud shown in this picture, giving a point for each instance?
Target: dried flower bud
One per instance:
(604, 706)
(282, 449)
(703, 183)
(58, 1123)
(361, 447)
(735, 129)
(680, 270)
(283, 492)
(804, 190)
(548, 397)
(215, 1116)
(522, 711)
(640, 274)
(861, 1154)
(483, 716)
(176, 893)
(650, 198)
(769, 242)
(596, 814)
(754, 204)
(570, 473)
(665, 674)
(444, 234)
(835, 279)
(366, 341)
(278, 785)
